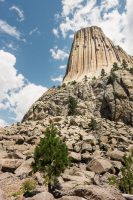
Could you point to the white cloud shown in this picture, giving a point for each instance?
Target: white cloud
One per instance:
(57, 79)
(2, 0)
(128, 31)
(3, 123)
(59, 54)
(9, 79)
(69, 6)
(106, 4)
(35, 30)
(55, 32)
(62, 67)
(16, 93)
(21, 101)
(19, 12)
(8, 29)
(77, 14)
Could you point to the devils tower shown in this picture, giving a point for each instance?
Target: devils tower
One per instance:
(92, 51)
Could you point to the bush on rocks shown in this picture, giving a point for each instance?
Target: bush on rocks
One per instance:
(125, 182)
(50, 156)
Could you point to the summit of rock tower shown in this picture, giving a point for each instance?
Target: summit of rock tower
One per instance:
(92, 51)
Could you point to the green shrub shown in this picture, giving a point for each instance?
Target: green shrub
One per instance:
(131, 70)
(58, 87)
(63, 85)
(86, 78)
(17, 194)
(72, 105)
(50, 156)
(73, 82)
(28, 186)
(125, 182)
(124, 64)
(103, 73)
(115, 67)
(94, 78)
(93, 124)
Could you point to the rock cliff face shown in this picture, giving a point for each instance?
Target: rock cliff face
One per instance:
(91, 51)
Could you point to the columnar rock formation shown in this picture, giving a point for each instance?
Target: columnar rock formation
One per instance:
(91, 51)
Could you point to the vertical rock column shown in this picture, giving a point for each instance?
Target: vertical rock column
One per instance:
(91, 51)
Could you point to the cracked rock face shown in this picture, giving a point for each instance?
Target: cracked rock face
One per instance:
(92, 51)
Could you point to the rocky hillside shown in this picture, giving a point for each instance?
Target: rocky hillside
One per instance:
(109, 96)
(91, 51)
(97, 152)
(98, 135)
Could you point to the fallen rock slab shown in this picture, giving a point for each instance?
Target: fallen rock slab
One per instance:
(42, 196)
(99, 165)
(71, 198)
(10, 165)
(93, 192)
(128, 196)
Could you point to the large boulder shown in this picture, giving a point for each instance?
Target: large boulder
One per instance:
(116, 155)
(42, 196)
(93, 192)
(10, 165)
(99, 165)
(24, 169)
(71, 198)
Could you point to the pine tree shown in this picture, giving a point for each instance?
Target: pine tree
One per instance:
(131, 70)
(124, 64)
(50, 156)
(125, 182)
(93, 124)
(72, 105)
(115, 67)
(103, 73)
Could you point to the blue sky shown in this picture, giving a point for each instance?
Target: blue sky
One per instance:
(35, 40)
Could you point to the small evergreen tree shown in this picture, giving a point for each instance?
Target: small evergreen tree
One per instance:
(63, 85)
(73, 82)
(72, 105)
(124, 64)
(131, 70)
(86, 78)
(50, 156)
(94, 78)
(115, 67)
(103, 73)
(125, 182)
(93, 124)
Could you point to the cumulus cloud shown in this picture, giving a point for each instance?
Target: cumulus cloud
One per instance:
(21, 101)
(8, 29)
(57, 79)
(16, 93)
(58, 54)
(69, 6)
(19, 12)
(9, 79)
(55, 32)
(113, 16)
